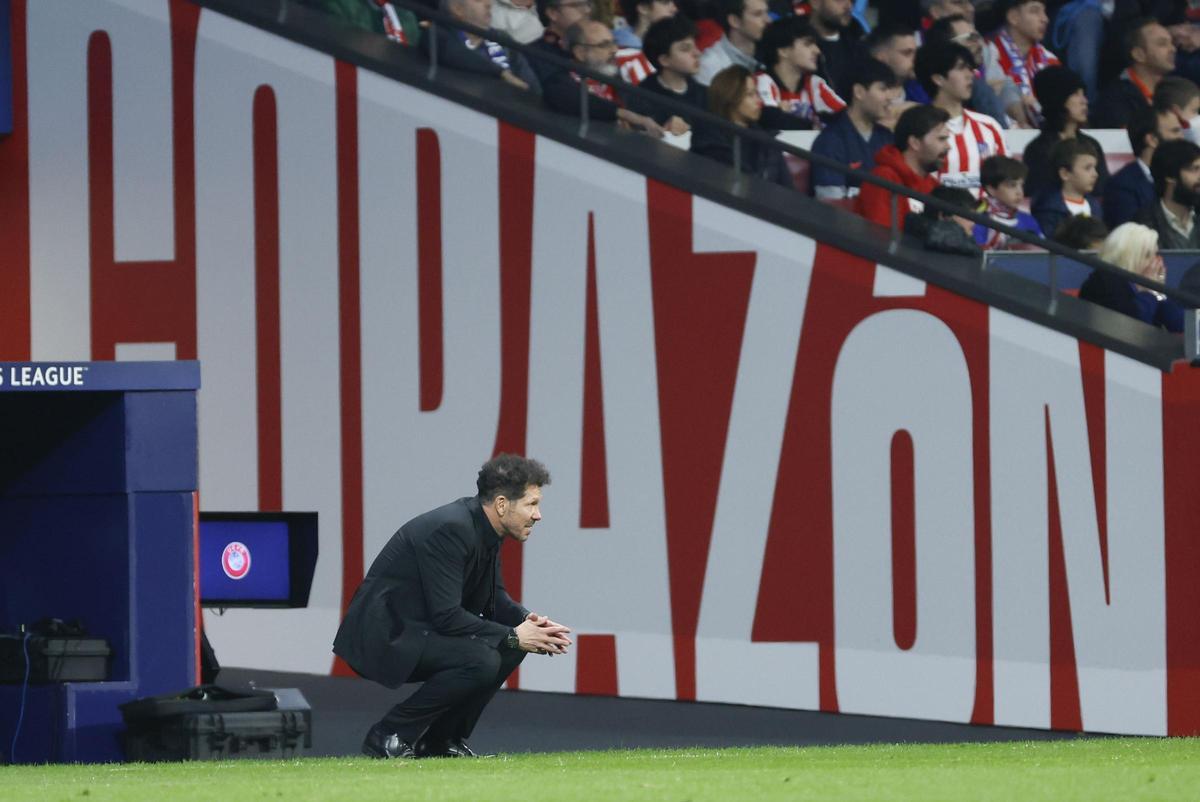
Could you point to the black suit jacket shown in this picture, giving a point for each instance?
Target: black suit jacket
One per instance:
(1126, 194)
(439, 573)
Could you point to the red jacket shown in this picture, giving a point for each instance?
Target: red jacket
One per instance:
(874, 202)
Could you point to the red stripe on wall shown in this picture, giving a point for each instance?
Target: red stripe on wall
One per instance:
(1181, 444)
(266, 300)
(1091, 364)
(185, 21)
(596, 665)
(700, 302)
(429, 266)
(14, 207)
(593, 491)
(516, 175)
(904, 542)
(349, 337)
(1064, 684)
(100, 182)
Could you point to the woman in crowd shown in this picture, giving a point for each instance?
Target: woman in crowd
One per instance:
(733, 96)
(1065, 109)
(1133, 247)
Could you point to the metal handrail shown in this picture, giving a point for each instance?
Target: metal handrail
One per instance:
(1187, 299)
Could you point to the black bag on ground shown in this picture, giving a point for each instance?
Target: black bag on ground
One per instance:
(214, 723)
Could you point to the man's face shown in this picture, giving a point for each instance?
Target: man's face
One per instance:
(833, 13)
(900, 55)
(965, 34)
(474, 12)
(1156, 52)
(1081, 178)
(518, 517)
(1010, 192)
(749, 108)
(657, 9)
(753, 21)
(597, 48)
(948, 8)
(683, 57)
(1189, 177)
(933, 147)
(804, 54)
(1030, 20)
(958, 82)
(567, 13)
(874, 101)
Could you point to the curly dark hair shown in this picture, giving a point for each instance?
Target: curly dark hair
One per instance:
(509, 475)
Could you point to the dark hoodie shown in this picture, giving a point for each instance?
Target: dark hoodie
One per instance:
(874, 202)
(760, 160)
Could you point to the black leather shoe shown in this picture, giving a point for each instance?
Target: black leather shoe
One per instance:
(383, 744)
(455, 748)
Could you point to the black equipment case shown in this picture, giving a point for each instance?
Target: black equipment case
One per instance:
(214, 723)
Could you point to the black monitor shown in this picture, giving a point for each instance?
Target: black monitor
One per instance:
(257, 559)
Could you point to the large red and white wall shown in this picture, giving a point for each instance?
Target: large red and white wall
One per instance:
(782, 475)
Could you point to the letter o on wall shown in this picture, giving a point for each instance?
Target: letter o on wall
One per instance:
(903, 371)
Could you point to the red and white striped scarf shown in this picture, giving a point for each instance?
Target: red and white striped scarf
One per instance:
(391, 22)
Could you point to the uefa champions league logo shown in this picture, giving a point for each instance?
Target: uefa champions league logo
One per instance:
(235, 560)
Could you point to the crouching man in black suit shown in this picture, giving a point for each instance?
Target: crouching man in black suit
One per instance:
(433, 609)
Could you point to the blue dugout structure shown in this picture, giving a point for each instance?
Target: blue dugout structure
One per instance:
(98, 518)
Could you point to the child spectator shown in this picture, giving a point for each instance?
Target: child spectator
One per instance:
(921, 142)
(1003, 180)
(670, 45)
(1081, 233)
(855, 136)
(1074, 163)
(789, 51)
(1064, 102)
(947, 73)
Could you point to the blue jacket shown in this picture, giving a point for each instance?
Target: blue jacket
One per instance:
(1049, 209)
(1126, 194)
(841, 141)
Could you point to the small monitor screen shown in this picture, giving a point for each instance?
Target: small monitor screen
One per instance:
(244, 561)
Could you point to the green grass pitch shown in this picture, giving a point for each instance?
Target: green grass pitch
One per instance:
(1087, 769)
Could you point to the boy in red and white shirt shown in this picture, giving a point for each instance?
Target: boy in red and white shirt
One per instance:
(790, 82)
(947, 72)
(1021, 54)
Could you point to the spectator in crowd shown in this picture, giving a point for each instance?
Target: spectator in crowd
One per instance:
(670, 45)
(1134, 248)
(1176, 170)
(896, 46)
(855, 136)
(469, 52)
(947, 73)
(945, 231)
(631, 29)
(733, 96)
(1082, 233)
(788, 49)
(1151, 56)
(1181, 97)
(1074, 163)
(934, 10)
(396, 23)
(518, 19)
(1020, 52)
(743, 22)
(1131, 189)
(590, 44)
(1064, 103)
(1078, 34)
(556, 16)
(839, 35)
(1003, 180)
(999, 99)
(921, 141)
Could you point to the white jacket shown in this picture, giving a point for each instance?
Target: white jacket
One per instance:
(521, 24)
